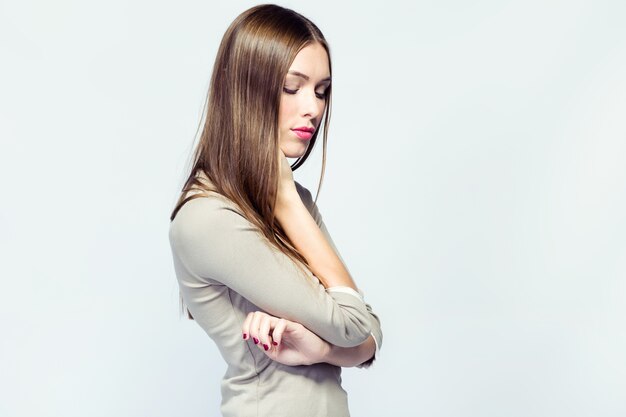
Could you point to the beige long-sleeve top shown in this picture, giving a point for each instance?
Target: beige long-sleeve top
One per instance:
(225, 269)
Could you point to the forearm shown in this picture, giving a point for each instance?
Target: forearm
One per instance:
(347, 357)
(306, 236)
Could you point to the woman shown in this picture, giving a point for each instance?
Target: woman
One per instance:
(254, 261)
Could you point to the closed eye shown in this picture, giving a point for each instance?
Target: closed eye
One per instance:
(321, 96)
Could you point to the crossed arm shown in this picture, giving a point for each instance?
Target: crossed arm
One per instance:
(290, 343)
(302, 222)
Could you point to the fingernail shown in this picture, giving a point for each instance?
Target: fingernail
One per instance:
(275, 344)
(245, 336)
(255, 340)
(266, 347)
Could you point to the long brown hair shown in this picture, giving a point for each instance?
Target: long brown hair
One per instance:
(239, 144)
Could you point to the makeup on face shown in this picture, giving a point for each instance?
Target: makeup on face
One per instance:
(303, 102)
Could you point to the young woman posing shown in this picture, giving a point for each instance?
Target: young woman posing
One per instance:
(254, 261)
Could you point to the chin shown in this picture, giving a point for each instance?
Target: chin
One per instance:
(294, 150)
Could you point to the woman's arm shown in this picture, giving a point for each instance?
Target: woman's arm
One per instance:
(306, 236)
(352, 356)
(298, 215)
(376, 331)
(291, 343)
(304, 347)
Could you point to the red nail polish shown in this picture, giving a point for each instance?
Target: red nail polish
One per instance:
(266, 347)
(275, 344)
(255, 340)
(245, 335)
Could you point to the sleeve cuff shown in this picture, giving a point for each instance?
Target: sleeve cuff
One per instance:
(358, 294)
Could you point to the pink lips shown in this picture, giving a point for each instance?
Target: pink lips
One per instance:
(304, 132)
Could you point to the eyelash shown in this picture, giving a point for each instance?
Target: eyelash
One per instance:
(320, 96)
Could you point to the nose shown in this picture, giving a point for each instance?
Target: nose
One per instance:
(310, 105)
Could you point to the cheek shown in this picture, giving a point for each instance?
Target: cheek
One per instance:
(322, 106)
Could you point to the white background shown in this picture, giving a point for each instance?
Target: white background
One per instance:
(475, 186)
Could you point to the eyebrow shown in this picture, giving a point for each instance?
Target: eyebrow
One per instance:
(306, 77)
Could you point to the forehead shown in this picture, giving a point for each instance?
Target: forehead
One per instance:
(312, 61)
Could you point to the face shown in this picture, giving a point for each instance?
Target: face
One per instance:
(303, 99)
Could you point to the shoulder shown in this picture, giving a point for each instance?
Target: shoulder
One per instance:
(214, 214)
(210, 212)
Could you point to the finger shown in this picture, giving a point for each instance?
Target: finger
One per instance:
(254, 326)
(264, 331)
(279, 329)
(245, 327)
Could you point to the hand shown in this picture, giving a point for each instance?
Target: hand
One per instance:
(286, 185)
(287, 342)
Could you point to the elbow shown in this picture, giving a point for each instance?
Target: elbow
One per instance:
(352, 336)
(353, 325)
